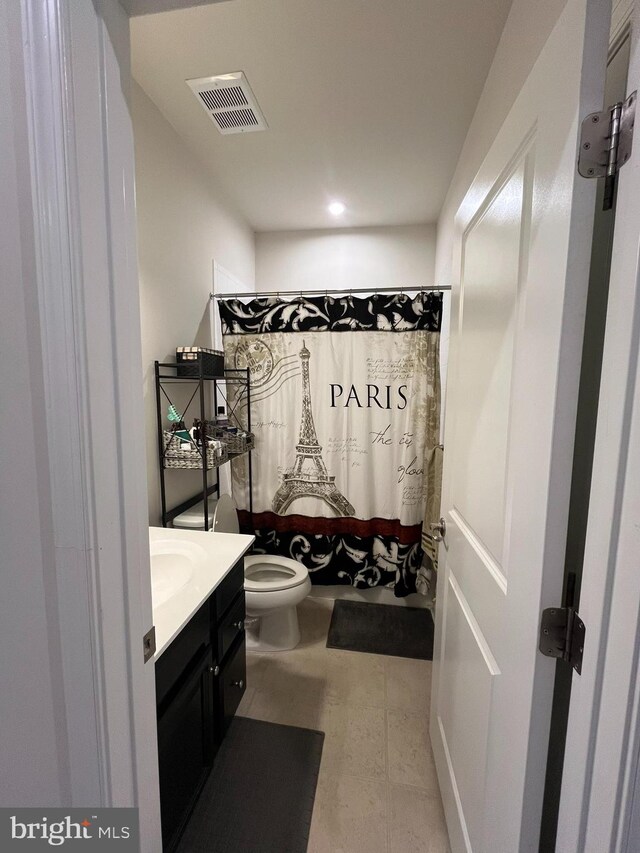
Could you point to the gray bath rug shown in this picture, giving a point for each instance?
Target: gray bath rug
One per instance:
(259, 796)
(381, 629)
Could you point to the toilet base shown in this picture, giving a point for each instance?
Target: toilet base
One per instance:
(274, 632)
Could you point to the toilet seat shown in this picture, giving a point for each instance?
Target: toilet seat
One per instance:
(273, 585)
(225, 516)
(266, 573)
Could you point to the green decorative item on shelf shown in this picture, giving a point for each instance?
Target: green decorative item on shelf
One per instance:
(178, 428)
(173, 414)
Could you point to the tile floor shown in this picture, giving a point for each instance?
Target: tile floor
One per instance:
(377, 789)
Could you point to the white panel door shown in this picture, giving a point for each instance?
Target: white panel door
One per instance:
(520, 281)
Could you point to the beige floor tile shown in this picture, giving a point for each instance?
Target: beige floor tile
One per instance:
(416, 821)
(409, 755)
(408, 684)
(355, 741)
(290, 709)
(256, 666)
(377, 778)
(314, 618)
(355, 678)
(349, 816)
(245, 702)
(296, 673)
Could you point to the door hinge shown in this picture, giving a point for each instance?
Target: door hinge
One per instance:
(562, 634)
(606, 140)
(149, 643)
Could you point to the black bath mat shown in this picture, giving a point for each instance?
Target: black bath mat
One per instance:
(381, 629)
(259, 796)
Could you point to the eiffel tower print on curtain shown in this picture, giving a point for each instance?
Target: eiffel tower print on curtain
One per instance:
(308, 476)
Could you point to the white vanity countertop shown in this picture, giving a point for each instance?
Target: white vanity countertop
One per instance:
(186, 567)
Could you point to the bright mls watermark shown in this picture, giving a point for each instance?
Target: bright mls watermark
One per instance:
(93, 829)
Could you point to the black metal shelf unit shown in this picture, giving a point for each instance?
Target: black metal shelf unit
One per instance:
(166, 374)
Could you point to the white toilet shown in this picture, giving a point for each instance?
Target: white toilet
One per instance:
(273, 585)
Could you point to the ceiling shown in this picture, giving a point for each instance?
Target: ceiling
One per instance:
(367, 101)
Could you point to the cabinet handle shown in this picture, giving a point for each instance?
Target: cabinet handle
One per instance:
(214, 670)
(239, 625)
(239, 684)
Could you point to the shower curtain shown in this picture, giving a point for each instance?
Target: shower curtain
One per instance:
(345, 406)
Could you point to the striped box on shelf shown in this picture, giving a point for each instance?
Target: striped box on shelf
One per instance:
(189, 360)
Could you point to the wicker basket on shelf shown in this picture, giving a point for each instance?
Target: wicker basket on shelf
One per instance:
(176, 457)
(234, 442)
(239, 443)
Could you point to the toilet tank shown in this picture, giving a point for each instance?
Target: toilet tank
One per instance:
(223, 516)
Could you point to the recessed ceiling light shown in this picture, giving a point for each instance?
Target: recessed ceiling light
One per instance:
(336, 208)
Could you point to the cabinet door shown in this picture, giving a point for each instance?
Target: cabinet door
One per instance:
(233, 682)
(187, 648)
(185, 747)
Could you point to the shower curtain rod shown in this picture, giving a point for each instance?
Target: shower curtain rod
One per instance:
(341, 292)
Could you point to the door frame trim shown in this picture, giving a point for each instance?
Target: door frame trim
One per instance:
(598, 805)
(110, 513)
(79, 175)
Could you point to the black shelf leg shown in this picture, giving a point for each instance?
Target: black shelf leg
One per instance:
(163, 496)
(250, 452)
(203, 441)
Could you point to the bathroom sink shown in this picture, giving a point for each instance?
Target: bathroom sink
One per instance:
(186, 567)
(172, 567)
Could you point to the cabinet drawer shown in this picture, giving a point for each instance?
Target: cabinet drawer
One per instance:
(229, 588)
(233, 683)
(231, 627)
(175, 660)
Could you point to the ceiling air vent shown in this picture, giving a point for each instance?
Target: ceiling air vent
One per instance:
(229, 102)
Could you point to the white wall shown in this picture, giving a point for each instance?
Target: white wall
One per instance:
(184, 224)
(526, 30)
(343, 258)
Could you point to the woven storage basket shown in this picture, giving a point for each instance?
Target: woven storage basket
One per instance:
(234, 443)
(176, 457)
(239, 443)
(212, 429)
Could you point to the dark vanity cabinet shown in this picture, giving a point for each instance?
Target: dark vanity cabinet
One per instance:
(186, 747)
(232, 685)
(200, 679)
